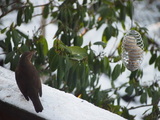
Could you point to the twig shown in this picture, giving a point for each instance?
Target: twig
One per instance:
(42, 5)
(11, 4)
(37, 15)
(17, 8)
(131, 108)
(42, 14)
(42, 26)
(11, 11)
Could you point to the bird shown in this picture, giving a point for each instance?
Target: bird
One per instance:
(28, 80)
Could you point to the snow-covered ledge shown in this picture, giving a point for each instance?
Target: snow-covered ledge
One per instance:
(57, 104)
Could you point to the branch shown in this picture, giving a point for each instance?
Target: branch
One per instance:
(131, 108)
(42, 14)
(42, 26)
(17, 8)
(15, 2)
(45, 5)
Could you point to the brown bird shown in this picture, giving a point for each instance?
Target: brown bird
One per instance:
(28, 80)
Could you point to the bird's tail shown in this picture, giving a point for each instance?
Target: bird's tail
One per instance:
(37, 104)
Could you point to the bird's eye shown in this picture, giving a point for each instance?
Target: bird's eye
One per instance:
(132, 50)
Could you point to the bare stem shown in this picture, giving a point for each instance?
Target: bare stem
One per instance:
(132, 108)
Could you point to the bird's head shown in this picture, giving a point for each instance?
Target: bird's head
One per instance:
(27, 55)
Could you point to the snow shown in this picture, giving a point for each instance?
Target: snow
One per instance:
(146, 15)
(57, 104)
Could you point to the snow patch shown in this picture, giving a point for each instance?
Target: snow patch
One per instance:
(57, 104)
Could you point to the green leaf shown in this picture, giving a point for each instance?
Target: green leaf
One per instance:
(42, 42)
(100, 43)
(78, 41)
(22, 34)
(78, 53)
(108, 33)
(26, 14)
(19, 17)
(116, 72)
(123, 25)
(8, 42)
(31, 10)
(129, 89)
(7, 2)
(157, 63)
(54, 62)
(155, 96)
(105, 11)
(24, 48)
(2, 44)
(106, 66)
(130, 9)
(14, 62)
(46, 11)
(60, 71)
(125, 113)
(143, 98)
(42, 49)
(123, 13)
(153, 58)
(3, 30)
(123, 68)
(9, 57)
(15, 37)
(117, 58)
(65, 48)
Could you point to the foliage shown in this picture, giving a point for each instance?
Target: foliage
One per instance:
(75, 68)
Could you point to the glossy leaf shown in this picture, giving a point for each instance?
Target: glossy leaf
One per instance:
(19, 17)
(60, 71)
(143, 98)
(3, 30)
(22, 34)
(106, 66)
(78, 53)
(46, 11)
(108, 33)
(8, 42)
(78, 40)
(15, 62)
(31, 8)
(26, 14)
(116, 72)
(24, 48)
(15, 37)
(130, 9)
(9, 57)
(2, 44)
(100, 43)
(129, 89)
(44, 45)
(153, 58)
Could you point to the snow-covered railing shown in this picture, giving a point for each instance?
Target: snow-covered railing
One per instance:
(57, 105)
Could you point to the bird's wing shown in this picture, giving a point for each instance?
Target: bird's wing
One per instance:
(34, 82)
(20, 79)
